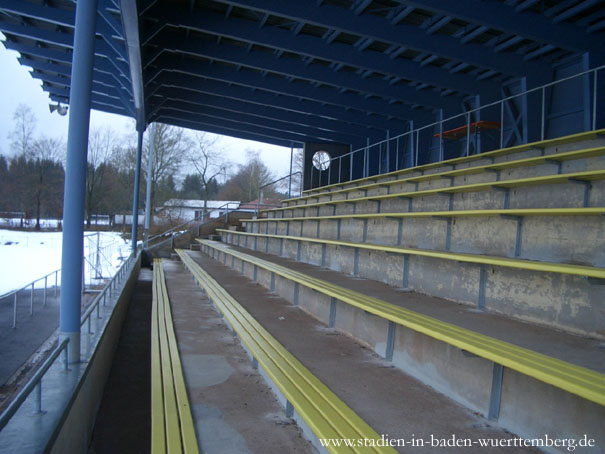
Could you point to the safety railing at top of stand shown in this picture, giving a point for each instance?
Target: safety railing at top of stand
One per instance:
(259, 201)
(410, 140)
(177, 231)
(35, 382)
(87, 262)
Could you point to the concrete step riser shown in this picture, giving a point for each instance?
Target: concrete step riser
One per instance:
(557, 195)
(462, 377)
(564, 239)
(570, 303)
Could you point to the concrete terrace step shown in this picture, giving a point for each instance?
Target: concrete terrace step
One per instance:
(503, 186)
(393, 403)
(566, 235)
(561, 295)
(496, 169)
(470, 160)
(453, 372)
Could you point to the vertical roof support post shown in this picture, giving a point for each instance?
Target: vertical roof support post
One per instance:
(148, 206)
(291, 161)
(75, 176)
(135, 195)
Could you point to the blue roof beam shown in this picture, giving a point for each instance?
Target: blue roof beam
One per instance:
(266, 112)
(527, 24)
(405, 35)
(184, 123)
(101, 64)
(304, 103)
(255, 121)
(320, 48)
(282, 86)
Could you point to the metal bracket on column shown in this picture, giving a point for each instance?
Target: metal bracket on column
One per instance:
(498, 173)
(254, 363)
(243, 263)
(482, 284)
(255, 274)
(354, 206)
(587, 189)
(296, 293)
(289, 409)
(496, 393)
(332, 320)
(276, 226)
(298, 250)
(447, 177)
(272, 289)
(323, 255)
(388, 355)
(281, 247)
(406, 271)
(266, 244)
(232, 261)
(410, 200)
(506, 192)
(519, 236)
(556, 162)
(317, 234)
(288, 228)
(338, 222)
(356, 262)
(255, 242)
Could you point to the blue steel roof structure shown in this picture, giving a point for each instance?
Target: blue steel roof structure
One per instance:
(293, 71)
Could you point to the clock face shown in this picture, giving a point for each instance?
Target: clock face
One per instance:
(321, 160)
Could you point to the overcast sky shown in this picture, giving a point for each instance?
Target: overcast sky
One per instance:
(17, 86)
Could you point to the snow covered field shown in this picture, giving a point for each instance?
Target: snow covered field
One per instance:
(27, 256)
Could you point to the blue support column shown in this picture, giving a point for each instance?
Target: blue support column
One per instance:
(75, 176)
(135, 195)
(150, 158)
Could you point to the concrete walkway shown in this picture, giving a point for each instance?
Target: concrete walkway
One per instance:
(18, 344)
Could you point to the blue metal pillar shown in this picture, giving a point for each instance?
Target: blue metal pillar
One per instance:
(75, 176)
(150, 158)
(135, 195)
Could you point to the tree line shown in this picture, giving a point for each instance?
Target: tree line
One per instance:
(185, 165)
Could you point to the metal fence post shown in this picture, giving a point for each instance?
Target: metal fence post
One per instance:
(45, 286)
(31, 301)
(468, 133)
(15, 310)
(502, 124)
(542, 119)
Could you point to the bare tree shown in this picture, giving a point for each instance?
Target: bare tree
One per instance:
(207, 160)
(171, 146)
(22, 135)
(246, 183)
(101, 148)
(45, 173)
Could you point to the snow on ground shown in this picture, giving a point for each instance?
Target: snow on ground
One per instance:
(27, 256)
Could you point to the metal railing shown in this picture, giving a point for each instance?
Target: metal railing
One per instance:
(87, 261)
(35, 383)
(177, 231)
(410, 140)
(289, 177)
